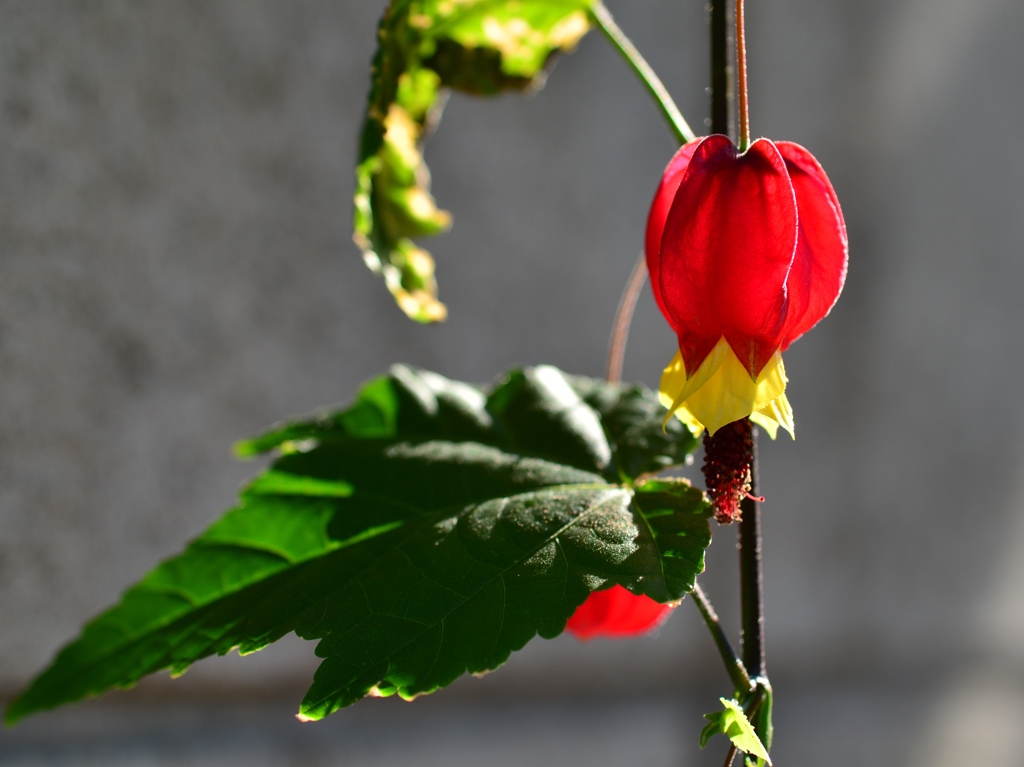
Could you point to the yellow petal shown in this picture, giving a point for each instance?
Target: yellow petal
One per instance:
(680, 386)
(685, 416)
(766, 422)
(689, 421)
(721, 391)
(673, 379)
(778, 413)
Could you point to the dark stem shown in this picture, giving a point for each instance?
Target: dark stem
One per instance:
(733, 665)
(730, 757)
(623, 318)
(719, 68)
(751, 592)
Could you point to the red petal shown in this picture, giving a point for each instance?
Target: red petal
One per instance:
(616, 612)
(659, 212)
(819, 269)
(728, 245)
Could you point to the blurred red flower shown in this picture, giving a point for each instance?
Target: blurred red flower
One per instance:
(616, 612)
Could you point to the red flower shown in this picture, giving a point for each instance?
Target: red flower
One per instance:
(616, 612)
(747, 252)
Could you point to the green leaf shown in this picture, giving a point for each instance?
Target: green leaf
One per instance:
(612, 429)
(481, 47)
(762, 723)
(429, 530)
(630, 415)
(732, 722)
(543, 415)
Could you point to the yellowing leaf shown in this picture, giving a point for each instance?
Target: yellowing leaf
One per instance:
(478, 46)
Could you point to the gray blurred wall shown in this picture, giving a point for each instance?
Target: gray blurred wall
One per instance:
(176, 272)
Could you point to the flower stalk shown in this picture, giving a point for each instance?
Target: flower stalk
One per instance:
(751, 572)
(743, 113)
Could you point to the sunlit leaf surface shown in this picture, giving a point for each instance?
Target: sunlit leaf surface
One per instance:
(426, 531)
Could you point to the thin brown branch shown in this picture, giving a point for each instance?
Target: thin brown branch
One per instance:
(741, 78)
(730, 757)
(623, 318)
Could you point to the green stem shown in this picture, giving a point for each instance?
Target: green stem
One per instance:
(684, 134)
(733, 665)
(655, 86)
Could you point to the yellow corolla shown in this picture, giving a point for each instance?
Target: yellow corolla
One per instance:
(721, 391)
